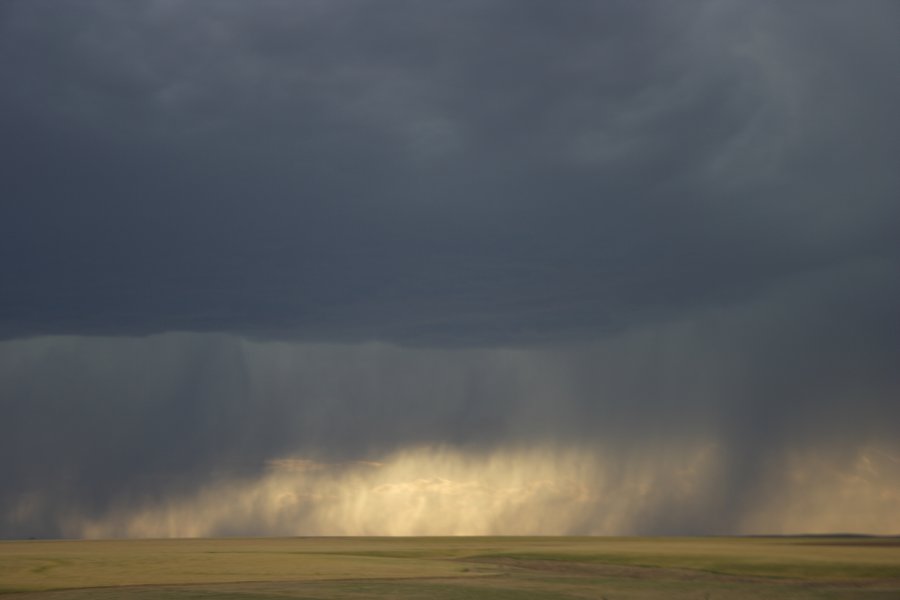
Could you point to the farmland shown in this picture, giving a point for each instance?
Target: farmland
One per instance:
(455, 567)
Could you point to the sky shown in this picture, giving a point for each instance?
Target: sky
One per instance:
(404, 267)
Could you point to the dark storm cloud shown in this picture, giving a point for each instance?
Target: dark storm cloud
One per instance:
(102, 426)
(426, 172)
(693, 206)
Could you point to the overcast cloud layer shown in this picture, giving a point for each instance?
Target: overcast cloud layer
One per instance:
(233, 233)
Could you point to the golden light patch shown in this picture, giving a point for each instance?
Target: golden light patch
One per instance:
(423, 491)
(515, 491)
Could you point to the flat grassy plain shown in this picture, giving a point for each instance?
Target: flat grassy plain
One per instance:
(455, 567)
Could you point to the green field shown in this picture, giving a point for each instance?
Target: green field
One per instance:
(483, 567)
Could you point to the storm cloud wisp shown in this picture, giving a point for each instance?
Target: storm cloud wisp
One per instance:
(591, 268)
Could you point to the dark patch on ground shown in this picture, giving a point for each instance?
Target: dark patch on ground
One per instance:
(860, 543)
(671, 574)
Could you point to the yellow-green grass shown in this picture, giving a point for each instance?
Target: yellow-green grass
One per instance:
(44, 565)
(456, 567)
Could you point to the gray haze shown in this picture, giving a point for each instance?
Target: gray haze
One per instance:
(232, 232)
